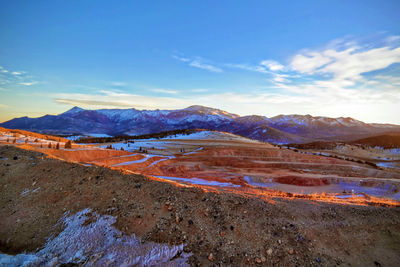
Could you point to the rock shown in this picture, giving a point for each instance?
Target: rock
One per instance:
(263, 259)
(291, 251)
(222, 233)
(177, 218)
(211, 257)
(258, 260)
(280, 241)
(269, 252)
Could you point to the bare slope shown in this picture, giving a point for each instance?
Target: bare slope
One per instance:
(220, 229)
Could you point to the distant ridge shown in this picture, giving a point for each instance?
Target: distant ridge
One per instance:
(280, 129)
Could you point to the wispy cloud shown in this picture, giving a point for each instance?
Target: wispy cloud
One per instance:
(247, 67)
(164, 91)
(8, 77)
(199, 63)
(118, 84)
(88, 102)
(112, 99)
(28, 83)
(346, 77)
(200, 90)
(204, 66)
(181, 58)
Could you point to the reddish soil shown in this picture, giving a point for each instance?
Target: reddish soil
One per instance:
(238, 230)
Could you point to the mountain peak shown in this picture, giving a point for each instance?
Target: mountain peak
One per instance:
(212, 111)
(74, 110)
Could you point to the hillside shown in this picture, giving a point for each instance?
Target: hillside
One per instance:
(387, 141)
(51, 210)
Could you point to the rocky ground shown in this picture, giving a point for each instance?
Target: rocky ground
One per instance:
(216, 228)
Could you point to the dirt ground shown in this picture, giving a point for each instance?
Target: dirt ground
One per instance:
(217, 228)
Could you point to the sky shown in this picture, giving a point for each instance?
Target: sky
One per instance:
(324, 58)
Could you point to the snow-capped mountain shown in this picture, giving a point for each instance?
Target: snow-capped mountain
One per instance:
(278, 129)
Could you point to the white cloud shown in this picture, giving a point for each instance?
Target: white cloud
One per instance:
(339, 80)
(8, 78)
(393, 38)
(200, 90)
(164, 91)
(254, 68)
(118, 84)
(272, 65)
(309, 63)
(280, 78)
(198, 63)
(183, 59)
(28, 83)
(348, 64)
(111, 99)
(204, 66)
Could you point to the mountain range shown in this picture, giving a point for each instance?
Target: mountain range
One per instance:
(280, 129)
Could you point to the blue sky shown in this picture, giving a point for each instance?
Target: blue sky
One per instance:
(328, 58)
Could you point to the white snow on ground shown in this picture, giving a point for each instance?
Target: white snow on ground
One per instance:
(194, 151)
(146, 157)
(206, 135)
(20, 139)
(96, 135)
(158, 161)
(98, 244)
(138, 144)
(197, 181)
(388, 165)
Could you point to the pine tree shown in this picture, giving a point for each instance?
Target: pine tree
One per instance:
(68, 145)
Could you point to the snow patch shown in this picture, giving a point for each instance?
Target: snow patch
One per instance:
(98, 244)
(197, 181)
